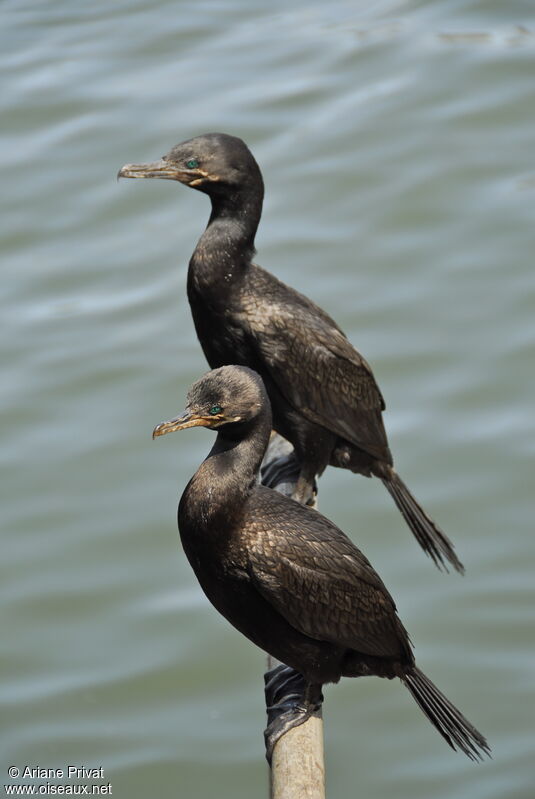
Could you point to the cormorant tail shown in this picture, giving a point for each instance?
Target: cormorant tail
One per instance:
(444, 716)
(429, 536)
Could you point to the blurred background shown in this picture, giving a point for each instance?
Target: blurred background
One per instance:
(397, 148)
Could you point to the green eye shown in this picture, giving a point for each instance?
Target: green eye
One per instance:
(215, 409)
(192, 163)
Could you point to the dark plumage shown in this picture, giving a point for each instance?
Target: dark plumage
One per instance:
(282, 574)
(323, 393)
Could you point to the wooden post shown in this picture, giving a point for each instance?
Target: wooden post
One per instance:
(297, 763)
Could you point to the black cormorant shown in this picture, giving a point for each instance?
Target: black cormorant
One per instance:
(281, 573)
(324, 396)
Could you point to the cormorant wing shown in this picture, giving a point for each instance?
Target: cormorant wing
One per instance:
(316, 578)
(317, 369)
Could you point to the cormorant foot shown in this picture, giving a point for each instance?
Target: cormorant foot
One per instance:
(305, 491)
(281, 470)
(281, 473)
(289, 703)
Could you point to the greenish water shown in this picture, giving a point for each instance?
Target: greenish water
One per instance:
(397, 148)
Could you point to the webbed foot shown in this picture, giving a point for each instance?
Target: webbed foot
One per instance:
(281, 473)
(290, 701)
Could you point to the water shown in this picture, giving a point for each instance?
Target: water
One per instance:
(397, 148)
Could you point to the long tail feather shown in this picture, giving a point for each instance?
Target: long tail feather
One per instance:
(429, 536)
(444, 716)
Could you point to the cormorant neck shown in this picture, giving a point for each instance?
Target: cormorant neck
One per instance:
(219, 489)
(226, 248)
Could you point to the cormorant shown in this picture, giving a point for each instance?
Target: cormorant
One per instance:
(284, 575)
(324, 396)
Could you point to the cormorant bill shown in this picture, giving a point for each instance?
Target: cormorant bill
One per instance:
(284, 575)
(324, 396)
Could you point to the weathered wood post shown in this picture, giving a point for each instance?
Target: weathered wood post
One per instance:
(297, 769)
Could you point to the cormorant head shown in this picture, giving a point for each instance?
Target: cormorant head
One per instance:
(230, 395)
(214, 163)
